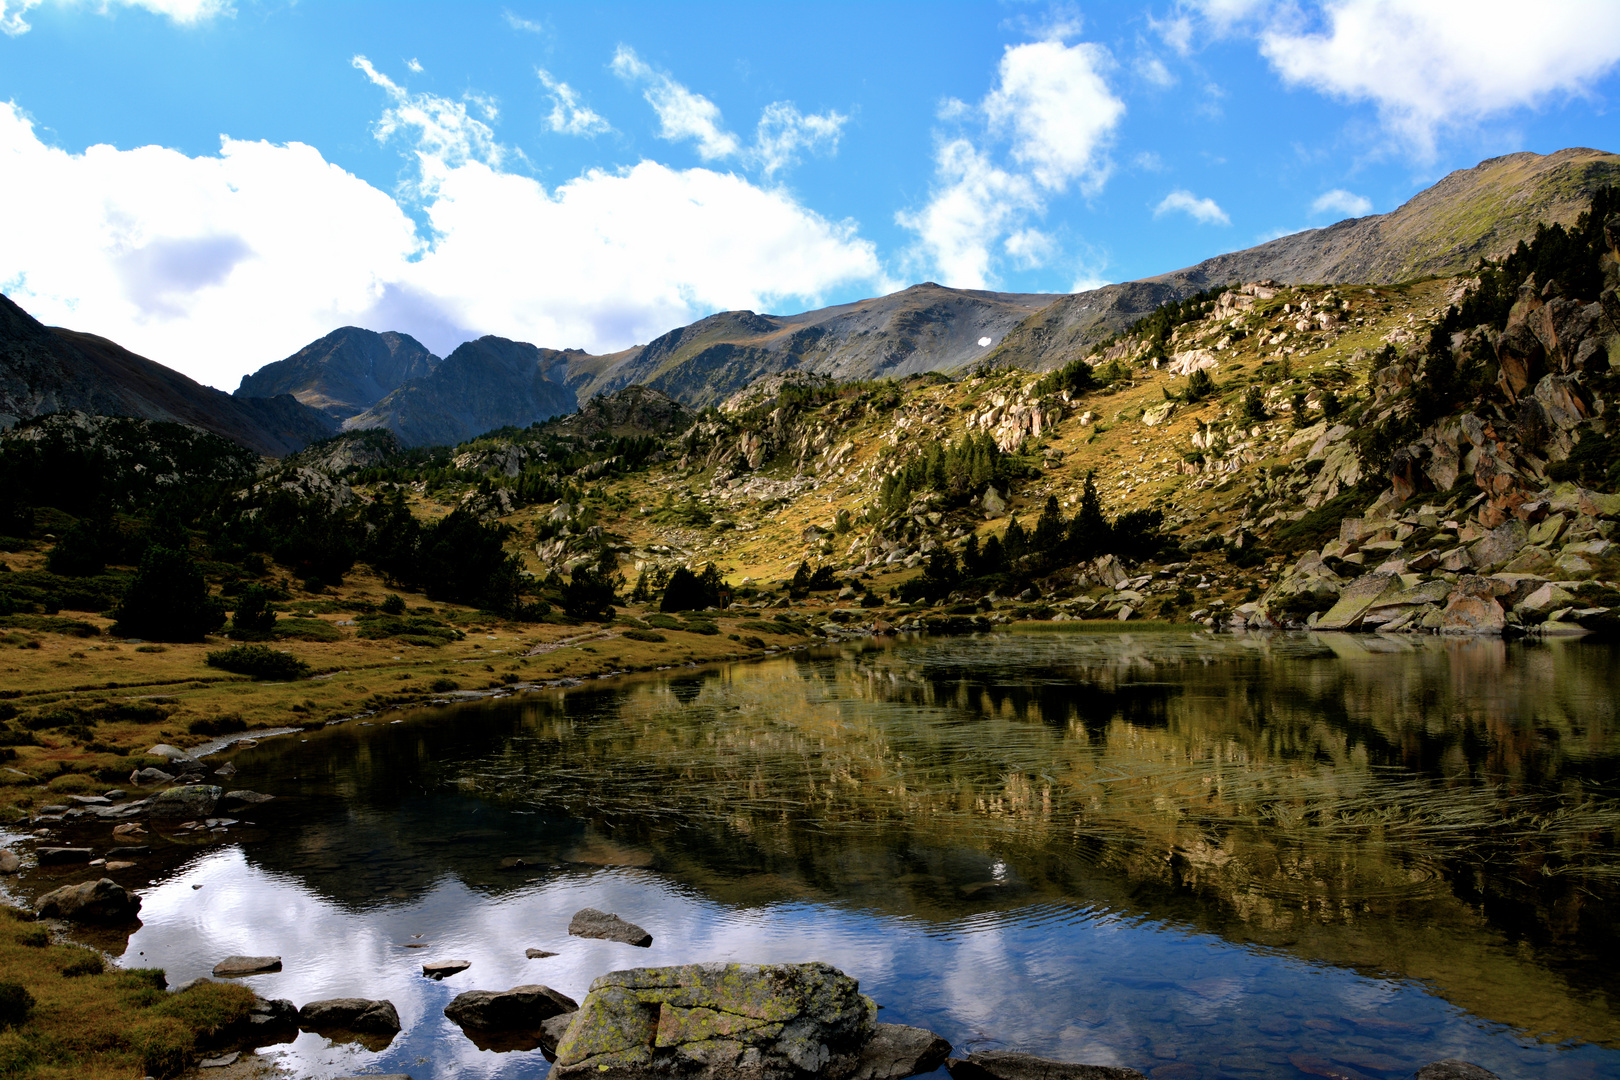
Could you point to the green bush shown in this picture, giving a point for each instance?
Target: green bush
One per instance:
(218, 725)
(168, 600)
(253, 613)
(258, 662)
(644, 635)
(393, 604)
(443, 686)
(15, 1004)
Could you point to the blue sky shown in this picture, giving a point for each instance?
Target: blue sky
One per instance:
(215, 183)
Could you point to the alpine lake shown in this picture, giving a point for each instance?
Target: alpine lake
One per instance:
(1196, 855)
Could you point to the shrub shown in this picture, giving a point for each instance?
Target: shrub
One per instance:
(168, 600)
(393, 604)
(588, 594)
(1254, 406)
(443, 686)
(698, 626)
(258, 662)
(253, 613)
(687, 591)
(664, 622)
(218, 725)
(644, 635)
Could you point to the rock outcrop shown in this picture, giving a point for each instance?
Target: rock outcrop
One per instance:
(101, 901)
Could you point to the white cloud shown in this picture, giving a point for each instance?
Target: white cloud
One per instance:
(414, 65)
(1029, 248)
(218, 264)
(1426, 65)
(784, 131)
(568, 116)
(682, 114)
(1052, 108)
(13, 13)
(1151, 70)
(1340, 201)
(1204, 211)
(518, 22)
(445, 131)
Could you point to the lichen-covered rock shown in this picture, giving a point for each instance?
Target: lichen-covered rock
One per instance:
(1011, 1065)
(719, 1021)
(1356, 598)
(90, 901)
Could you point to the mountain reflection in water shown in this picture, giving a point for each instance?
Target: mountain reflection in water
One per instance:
(1175, 852)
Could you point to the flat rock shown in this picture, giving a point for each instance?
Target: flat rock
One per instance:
(443, 969)
(234, 967)
(1356, 598)
(63, 856)
(590, 923)
(360, 1015)
(185, 803)
(1452, 1069)
(719, 1022)
(1011, 1065)
(103, 900)
(896, 1051)
(219, 1062)
(512, 1019)
(149, 776)
(532, 954)
(241, 800)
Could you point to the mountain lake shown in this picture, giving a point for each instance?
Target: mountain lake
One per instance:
(1196, 855)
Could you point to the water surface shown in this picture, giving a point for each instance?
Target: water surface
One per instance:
(1197, 856)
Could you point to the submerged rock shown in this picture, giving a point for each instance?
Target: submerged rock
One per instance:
(1011, 1065)
(721, 1021)
(590, 923)
(90, 901)
(185, 803)
(1453, 1069)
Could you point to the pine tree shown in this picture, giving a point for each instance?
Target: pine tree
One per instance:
(1090, 534)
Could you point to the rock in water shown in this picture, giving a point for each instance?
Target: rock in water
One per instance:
(1010, 1065)
(234, 967)
(62, 856)
(443, 969)
(359, 1015)
(185, 803)
(1452, 1069)
(532, 954)
(515, 1019)
(11, 862)
(896, 1051)
(590, 923)
(90, 901)
(719, 1022)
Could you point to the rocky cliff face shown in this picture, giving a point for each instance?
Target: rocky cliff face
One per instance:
(344, 373)
(46, 370)
(485, 384)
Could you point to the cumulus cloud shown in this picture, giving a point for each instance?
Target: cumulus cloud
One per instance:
(217, 264)
(13, 13)
(1204, 211)
(1430, 64)
(1052, 109)
(682, 114)
(568, 115)
(1340, 201)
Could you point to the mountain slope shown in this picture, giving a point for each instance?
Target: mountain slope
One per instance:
(45, 369)
(924, 328)
(1444, 229)
(482, 385)
(344, 373)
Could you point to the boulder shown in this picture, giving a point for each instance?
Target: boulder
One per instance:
(90, 901)
(993, 503)
(1545, 599)
(1471, 613)
(185, 803)
(1500, 544)
(241, 800)
(10, 861)
(360, 1015)
(1452, 1069)
(63, 856)
(234, 967)
(590, 923)
(149, 776)
(1356, 598)
(895, 1051)
(714, 1021)
(270, 1014)
(537, 954)
(515, 1019)
(1011, 1065)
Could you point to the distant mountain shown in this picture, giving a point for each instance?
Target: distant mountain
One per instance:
(482, 385)
(924, 328)
(344, 373)
(1444, 229)
(47, 369)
